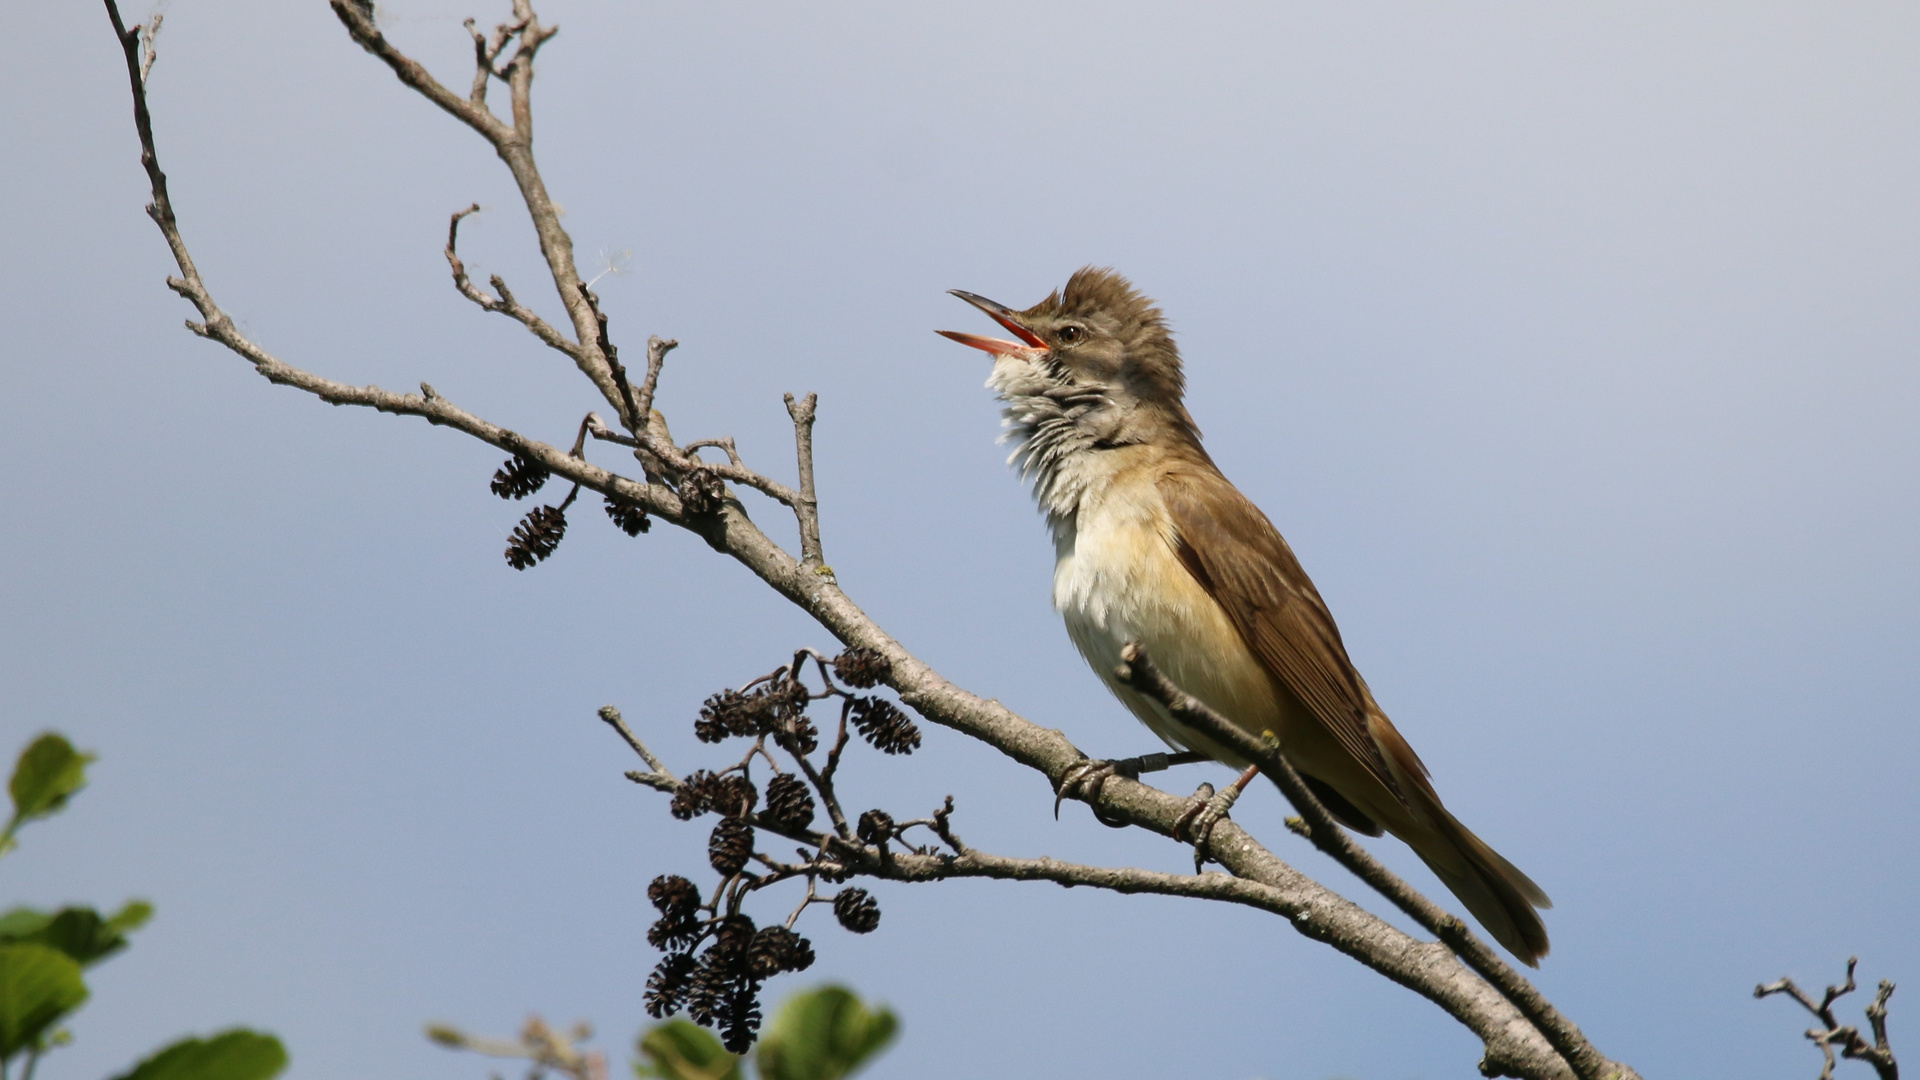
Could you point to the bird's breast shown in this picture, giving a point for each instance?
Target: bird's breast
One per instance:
(1117, 579)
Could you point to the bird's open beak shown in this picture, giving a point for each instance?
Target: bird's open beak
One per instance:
(1003, 315)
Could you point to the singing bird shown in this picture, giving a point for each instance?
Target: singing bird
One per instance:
(1152, 544)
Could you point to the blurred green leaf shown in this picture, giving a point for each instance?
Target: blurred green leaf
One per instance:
(38, 986)
(79, 932)
(22, 923)
(49, 771)
(447, 1035)
(132, 916)
(682, 1050)
(231, 1055)
(823, 1034)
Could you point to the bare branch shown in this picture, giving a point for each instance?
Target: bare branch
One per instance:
(359, 23)
(943, 827)
(1883, 1062)
(725, 442)
(1139, 672)
(1853, 1046)
(514, 144)
(629, 409)
(657, 350)
(506, 304)
(484, 55)
(618, 723)
(538, 1043)
(161, 208)
(807, 508)
(824, 784)
(147, 53)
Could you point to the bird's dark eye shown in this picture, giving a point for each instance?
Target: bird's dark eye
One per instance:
(1071, 334)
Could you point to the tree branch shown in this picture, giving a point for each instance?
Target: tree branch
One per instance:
(807, 507)
(505, 304)
(514, 144)
(469, 111)
(1853, 1046)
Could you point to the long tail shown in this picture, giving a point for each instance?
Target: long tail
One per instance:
(1501, 897)
(1494, 890)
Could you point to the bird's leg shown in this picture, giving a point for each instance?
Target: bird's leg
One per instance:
(1204, 809)
(1085, 779)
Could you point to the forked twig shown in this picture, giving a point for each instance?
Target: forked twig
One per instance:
(1853, 1046)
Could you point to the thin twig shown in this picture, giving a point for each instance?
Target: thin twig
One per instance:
(657, 350)
(806, 510)
(482, 64)
(1853, 1046)
(682, 460)
(514, 144)
(538, 1043)
(725, 442)
(147, 51)
(629, 415)
(618, 723)
(505, 304)
(943, 827)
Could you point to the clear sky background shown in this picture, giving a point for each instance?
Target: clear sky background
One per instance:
(1572, 346)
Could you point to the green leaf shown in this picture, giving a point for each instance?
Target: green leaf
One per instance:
(231, 1055)
(22, 923)
(38, 986)
(79, 932)
(682, 1050)
(132, 916)
(49, 771)
(823, 1034)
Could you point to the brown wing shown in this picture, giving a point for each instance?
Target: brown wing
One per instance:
(1240, 559)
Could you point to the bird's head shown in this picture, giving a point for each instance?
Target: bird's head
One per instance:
(1096, 354)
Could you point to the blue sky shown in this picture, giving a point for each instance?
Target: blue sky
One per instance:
(1572, 347)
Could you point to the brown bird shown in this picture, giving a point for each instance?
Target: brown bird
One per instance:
(1152, 544)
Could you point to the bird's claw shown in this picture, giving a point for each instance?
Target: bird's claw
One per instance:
(1085, 779)
(1204, 811)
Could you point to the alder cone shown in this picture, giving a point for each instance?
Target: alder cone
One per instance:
(740, 1018)
(630, 516)
(702, 492)
(730, 846)
(734, 795)
(776, 949)
(789, 803)
(857, 910)
(536, 537)
(695, 795)
(883, 725)
(729, 713)
(732, 937)
(670, 932)
(519, 478)
(673, 895)
(862, 668)
(668, 985)
(875, 827)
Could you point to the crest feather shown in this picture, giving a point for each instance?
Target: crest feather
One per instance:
(1099, 296)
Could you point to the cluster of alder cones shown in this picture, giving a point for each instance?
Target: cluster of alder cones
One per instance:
(717, 957)
(539, 533)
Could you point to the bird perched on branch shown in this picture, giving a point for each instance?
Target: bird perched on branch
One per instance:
(1154, 545)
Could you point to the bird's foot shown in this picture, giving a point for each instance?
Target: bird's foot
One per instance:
(1085, 779)
(1204, 811)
